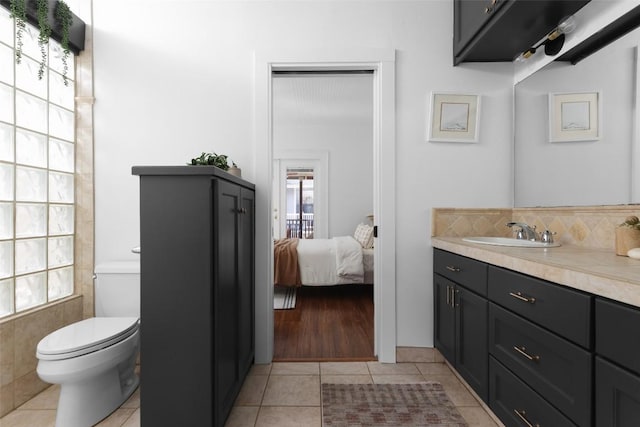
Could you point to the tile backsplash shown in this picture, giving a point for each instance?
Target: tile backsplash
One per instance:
(588, 226)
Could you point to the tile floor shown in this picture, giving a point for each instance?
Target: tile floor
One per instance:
(281, 394)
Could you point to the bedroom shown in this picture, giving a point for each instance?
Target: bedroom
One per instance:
(322, 125)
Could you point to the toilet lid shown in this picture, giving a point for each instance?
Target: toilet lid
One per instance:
(86, 336)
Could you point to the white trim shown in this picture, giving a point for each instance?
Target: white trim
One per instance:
(319, 161)
(383, 64)
(635, 136)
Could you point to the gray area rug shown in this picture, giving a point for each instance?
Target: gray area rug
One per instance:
(381, 405)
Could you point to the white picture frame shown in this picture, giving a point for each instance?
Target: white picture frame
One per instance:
(454, 117)
(575, 116)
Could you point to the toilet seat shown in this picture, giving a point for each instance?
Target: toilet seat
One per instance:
(85, 337)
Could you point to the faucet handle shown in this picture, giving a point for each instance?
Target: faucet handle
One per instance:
(547, 236)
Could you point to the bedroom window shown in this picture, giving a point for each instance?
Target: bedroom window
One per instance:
(300, 203)
(37, 164)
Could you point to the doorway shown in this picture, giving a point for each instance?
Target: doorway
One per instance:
(382, 61)
(319, 112)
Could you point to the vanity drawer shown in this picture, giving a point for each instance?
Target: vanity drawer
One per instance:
(559, 309)
(552, 366)
(617, 336)
(516, 404)
(465, 271)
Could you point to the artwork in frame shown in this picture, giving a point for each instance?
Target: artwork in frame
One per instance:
(574, 116)
(454, 117)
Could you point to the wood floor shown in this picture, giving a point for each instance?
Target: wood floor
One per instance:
(329, 323)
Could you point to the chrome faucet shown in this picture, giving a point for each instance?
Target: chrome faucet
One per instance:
(526, 232)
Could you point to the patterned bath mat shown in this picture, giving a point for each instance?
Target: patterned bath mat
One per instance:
(284, 298)
(381, 405)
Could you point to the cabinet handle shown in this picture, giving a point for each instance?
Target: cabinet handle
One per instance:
(452, 268)
(448, 295)
(523, 351)
(521, 297)
(523, 416)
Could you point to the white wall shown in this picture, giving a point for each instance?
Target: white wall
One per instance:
(333, 113)
(174, 78)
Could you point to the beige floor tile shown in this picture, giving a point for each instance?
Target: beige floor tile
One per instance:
(344, 368)
(431, 369)
(252, 390)
(346, 379)
(242, 416)
(477, 417)
(29, 418)
(133, 401)
(134, 420)
(289, 417)
(292, 390)
(117, 418)
(48, 399)
(398, 379)
(295, 368)
(262, 369)
(414, 354)
(377, 368)
(459, 394)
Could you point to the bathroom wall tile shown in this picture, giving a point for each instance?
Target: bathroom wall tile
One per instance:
(26, 387)
(29, 330)
(6, 399)
(72, 310)
(7, 350)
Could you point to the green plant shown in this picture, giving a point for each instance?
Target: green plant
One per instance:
(45, 32)
(64, 19)
(18, 9)
(212, 159)
(631, 222)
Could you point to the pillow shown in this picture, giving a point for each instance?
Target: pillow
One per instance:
(364, 235)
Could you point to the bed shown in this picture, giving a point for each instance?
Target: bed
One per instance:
(339, 260)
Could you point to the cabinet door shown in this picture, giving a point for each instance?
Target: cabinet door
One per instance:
(246, 304)
(469, 17)
(617, 396)
(225, 295)
(471, 339)
(444, 317)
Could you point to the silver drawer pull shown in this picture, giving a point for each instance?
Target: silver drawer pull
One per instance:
(523, 351)
(523, 416)
(452, 268)
(521, 297)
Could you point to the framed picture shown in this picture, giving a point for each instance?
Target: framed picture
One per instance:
(574, 116)
(454, 117)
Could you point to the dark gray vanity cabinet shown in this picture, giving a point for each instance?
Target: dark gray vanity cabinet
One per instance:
(617, 373)
(540, 333)
(197, 293)
(460, 286)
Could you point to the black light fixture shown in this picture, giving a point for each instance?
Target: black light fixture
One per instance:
(552, 42)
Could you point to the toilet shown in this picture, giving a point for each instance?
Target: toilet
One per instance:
(94, 360)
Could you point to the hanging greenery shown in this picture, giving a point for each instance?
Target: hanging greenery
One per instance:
(64, 19)
(18, 9)
(45, 32)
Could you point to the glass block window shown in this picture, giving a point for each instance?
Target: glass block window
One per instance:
(37, 181)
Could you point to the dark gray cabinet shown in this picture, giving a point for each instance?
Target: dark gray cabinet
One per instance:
(617, 373)
(499, 30)
(461, 317)
(197, 293)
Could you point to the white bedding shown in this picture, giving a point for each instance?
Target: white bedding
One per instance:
(335, 261)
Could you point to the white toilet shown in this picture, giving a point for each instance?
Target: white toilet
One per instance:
(94, 360)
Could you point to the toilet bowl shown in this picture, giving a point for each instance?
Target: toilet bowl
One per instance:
(94, 360)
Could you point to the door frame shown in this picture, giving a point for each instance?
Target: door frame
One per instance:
(382, 62)
(319, 161)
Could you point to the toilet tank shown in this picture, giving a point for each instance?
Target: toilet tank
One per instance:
(117, 289)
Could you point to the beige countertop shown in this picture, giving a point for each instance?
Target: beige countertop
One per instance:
(600, 272)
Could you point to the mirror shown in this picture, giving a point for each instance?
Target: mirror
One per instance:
(591, 171)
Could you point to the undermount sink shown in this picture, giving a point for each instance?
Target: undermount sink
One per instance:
(508, 241)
